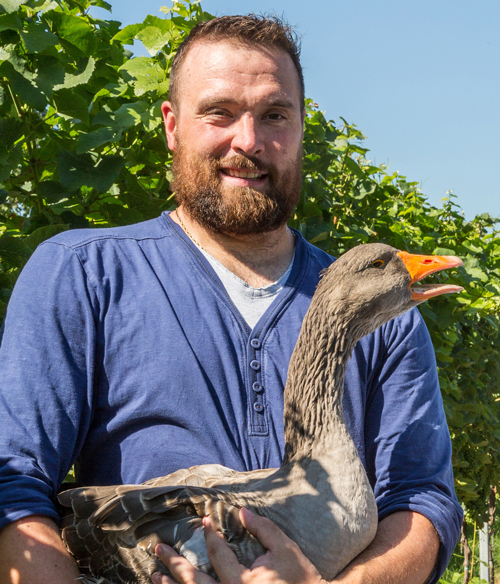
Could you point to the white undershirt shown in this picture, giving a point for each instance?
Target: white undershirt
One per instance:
(251, 302)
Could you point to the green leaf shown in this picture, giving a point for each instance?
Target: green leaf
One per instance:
(130, 114)
(74, 221)
(111, 90)
(125, 117)
(477, 273)
(143, 85)
(162, 23)
(139, 198)
(10, 22)
(101, 4)
(320, 237)
(120, 215)
(79, 78)
(52, 191)
(153, 39)
(443, 251)
(152, 119)
(36, 39)
(74, 30)
(48, 5)
(11, 160)
(94, 139)
(148, 75)
(10, 131)
(50, 74)
(353, 167)
(7, 52)
(32, 88)
(11, 5)
(71, 104)
(472, 247)
(78, 170)
(43, 233)
(105, 117)
(128, 34)
(25, 89)
(143, 67)
(4, 157)
(13, 250)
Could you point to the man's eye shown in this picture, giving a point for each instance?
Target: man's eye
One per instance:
(275, 117)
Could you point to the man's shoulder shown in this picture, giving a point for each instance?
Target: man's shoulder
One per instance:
(77, 238)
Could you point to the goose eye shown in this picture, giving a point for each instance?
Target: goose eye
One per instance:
(378, 263)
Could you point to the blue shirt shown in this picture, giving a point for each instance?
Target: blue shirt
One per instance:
(122, 353)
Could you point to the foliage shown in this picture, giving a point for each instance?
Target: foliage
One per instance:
(455, 571)
(82, 144)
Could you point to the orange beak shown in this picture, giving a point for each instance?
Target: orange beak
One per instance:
(420, 266)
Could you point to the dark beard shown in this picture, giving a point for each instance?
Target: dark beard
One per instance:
(238, 211)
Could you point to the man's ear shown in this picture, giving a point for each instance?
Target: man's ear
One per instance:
(169, 121)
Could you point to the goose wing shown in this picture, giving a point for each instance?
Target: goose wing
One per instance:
(112, 531)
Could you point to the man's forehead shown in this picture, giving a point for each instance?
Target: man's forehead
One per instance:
(232, 44)
(209, 59)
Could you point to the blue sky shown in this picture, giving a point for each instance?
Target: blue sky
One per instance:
(421, 79)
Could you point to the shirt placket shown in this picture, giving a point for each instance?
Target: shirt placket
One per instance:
(256, 392)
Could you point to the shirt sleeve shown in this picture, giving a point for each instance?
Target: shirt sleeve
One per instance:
(46, 378)
(408, 447)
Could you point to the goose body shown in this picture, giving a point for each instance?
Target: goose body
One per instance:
(320, 496)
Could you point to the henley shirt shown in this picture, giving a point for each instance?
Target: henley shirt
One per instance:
(123, 354)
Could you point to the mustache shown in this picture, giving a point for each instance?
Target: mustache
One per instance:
(243, 162)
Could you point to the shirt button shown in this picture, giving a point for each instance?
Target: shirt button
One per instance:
(255, 365)
(255, 343)
(257, 387)
(258, 407)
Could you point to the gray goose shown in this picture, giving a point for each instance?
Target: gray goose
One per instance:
(320, 496)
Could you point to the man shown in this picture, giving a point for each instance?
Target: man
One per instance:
(140, 350)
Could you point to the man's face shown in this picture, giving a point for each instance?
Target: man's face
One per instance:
(237, 137)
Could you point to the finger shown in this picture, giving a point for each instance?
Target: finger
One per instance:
(284, 556)
(224, 560)
(269, 534)
(159, 578)
(182, 570)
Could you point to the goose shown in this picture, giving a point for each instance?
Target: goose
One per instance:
(320, 496)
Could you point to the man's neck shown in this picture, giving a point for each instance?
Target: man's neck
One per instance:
(258, 259)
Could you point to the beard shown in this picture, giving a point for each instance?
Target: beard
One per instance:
(234, 210)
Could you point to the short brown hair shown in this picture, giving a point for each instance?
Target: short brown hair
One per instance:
(267, 31)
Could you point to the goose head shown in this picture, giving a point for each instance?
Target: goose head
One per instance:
(374, 283)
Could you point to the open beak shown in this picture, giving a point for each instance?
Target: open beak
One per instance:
(420, 266)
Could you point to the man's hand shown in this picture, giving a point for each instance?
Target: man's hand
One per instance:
(404, 551)
(283, 563)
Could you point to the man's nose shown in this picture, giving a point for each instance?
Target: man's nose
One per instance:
(247, 137)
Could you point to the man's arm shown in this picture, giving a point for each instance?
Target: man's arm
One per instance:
(46, 372)
(33, 553)
(404, 551)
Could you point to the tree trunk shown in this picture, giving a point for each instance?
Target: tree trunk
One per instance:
(491, 523)
(464, 544)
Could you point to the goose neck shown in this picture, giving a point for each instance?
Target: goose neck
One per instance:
(315, 384)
